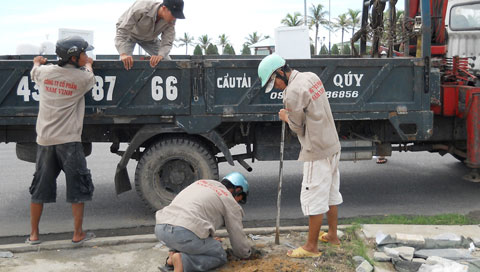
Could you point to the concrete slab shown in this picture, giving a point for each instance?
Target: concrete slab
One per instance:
(427, 231)
(448, 253)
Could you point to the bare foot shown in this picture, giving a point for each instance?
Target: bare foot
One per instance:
(177, 262)
(79, 237)
(169, 259)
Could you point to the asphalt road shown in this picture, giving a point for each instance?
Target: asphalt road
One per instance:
(410, 183)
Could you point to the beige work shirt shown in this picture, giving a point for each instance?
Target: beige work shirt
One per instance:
(202, 208)
(139, 22)
(62, 102)
(310, 116)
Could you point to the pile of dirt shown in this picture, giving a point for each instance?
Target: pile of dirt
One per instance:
(266, 264)
(273, 257)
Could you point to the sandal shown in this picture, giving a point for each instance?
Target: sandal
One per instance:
(302, 253)
(322, 237)
(381, 160)
(32, 242)
(88, 236)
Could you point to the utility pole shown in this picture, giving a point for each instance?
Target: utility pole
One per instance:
(329, 27)
(305, 7)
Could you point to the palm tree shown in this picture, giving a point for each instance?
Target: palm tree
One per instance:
(342, 23)
(186, 41)
(253, 38)
(204, 41)
(316, 19)
(354, 19)
(294, 20)
(223, 41)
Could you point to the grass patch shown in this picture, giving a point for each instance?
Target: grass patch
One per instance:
(356, 246)
(442, 219)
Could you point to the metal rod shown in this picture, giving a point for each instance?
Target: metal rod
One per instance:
(329, 28)
(305, 7)
(280, 178)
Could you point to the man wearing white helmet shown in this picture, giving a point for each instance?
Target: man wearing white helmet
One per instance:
(188, 224)
(308, 114)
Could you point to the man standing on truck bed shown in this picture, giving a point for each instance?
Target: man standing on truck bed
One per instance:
(142, 23)
(308, 114)
(188, 224)
(59, 128)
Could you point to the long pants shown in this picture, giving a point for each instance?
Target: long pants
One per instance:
(197, 254)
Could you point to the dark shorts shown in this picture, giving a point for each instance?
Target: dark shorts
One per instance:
(51, 160)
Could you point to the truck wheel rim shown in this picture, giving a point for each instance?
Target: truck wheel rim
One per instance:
(175, 174)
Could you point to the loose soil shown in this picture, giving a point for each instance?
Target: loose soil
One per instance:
(274, 258)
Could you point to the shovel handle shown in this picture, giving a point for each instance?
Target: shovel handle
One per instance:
(280, 178)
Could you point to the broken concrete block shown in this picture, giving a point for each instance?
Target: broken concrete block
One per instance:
(447, 253)
(419, 260)
(448, 236)
(406, 266)
(384, 239)
(410, 240)
(365, 266)
(381, 257)
(436, 263)
(6, 254)
(476, 241)
(397, 253)
(392, 253)
(358, 260)
(406, 253)
(437, 244)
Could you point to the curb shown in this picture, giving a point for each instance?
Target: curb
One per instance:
(146, 238)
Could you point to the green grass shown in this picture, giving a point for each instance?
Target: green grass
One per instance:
(356, 245)
(442, 219)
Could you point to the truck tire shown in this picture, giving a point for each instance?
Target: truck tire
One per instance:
(170, 165)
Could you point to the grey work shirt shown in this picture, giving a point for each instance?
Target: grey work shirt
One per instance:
(139, 23)
(202, 208)
(62, 102)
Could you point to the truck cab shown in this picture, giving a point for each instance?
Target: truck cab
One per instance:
(463, 28)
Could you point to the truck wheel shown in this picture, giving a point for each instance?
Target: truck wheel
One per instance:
(169, 166)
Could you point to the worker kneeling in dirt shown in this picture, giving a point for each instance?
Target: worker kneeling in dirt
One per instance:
(188, 224)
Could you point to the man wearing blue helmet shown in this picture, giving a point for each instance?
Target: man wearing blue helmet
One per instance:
(188, 224)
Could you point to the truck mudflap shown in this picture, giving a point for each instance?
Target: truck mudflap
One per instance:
(122, 180)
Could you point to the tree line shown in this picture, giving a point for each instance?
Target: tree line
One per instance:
(317, 18)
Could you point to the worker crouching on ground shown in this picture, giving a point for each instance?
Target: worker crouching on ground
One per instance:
(188, 224)
(308, 114)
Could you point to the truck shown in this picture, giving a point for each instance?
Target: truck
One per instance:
(181, 119)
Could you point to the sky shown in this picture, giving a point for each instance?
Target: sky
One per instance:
(33, 22)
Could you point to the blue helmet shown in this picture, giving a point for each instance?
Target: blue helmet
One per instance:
(238, 180)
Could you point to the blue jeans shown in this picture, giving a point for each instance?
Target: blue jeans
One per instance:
(197, 254)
